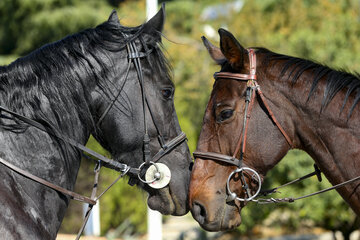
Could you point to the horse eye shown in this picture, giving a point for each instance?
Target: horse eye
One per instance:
(167, 93)
(225, 114)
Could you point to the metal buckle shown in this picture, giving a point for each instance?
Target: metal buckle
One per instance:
(155, 177)
(232, 195)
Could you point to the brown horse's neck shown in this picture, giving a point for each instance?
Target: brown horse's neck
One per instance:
(327, 134)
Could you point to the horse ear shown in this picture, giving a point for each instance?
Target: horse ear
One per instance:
(156, 24)
(214, 52)
(114, 17)
(231, 49)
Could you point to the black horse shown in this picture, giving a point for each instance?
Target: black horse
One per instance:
(86, 84)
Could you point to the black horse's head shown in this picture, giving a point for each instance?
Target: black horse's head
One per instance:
(110, 81)
(136, 101)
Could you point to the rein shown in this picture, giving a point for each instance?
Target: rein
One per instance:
(155, 173)
(253, 88)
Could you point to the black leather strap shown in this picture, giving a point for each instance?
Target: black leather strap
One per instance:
(168, 147)
(109, 163)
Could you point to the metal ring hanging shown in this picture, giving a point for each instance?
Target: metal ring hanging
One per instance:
(144, 181)
(234, 194)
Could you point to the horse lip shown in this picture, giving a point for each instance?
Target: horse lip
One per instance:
(156, 199)
(212, 226)
(219, 225)
(226, 220)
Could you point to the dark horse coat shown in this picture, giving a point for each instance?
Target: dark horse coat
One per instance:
(66, 86)
(317, 107)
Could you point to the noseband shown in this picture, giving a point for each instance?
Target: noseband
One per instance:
(252, 89)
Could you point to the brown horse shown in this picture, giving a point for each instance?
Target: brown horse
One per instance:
(301, 105)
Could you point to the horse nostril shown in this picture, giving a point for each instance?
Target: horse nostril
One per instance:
(199, 212)
(191, 166)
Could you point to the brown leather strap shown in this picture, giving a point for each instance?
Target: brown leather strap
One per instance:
(217, 157)
(73, 195)
(241, 76)
(254, 88)
(234, 76)
(252, 61)
(251, 82)
(248, 114)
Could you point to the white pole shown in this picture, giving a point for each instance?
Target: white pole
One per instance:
(151, 8)
(154, 225)
(92, 227)
(154, 218)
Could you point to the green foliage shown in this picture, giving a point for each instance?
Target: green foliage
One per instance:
(326, 210)
(27, 25)
(6, 59)
(185, 9)
(123, 203)
(193, 87)
(48, 25)
(298, 28)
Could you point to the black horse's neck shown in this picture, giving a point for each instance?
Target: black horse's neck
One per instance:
(53, 86)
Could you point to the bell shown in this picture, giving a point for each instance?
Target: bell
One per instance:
(231, 197)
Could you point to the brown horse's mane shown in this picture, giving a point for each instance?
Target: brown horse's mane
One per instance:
(336, 80)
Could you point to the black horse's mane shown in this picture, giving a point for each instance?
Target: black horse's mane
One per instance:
(336, 80)
(55, 72)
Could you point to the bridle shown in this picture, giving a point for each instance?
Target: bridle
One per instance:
(157, 174)
(252, 89)
(134, 57)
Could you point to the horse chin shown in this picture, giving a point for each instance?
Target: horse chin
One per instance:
(162, 201)
(224, 218)
(222, 225)
(231, 218)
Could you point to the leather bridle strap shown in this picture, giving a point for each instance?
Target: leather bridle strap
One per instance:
(109, 163)
(291, 199)
(252, 89)
(135, 56)
(217, 157)
(116, 97)
(73, 195)
(168, 147)
(252, 84)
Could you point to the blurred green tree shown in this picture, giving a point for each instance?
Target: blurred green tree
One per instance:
(27, 25)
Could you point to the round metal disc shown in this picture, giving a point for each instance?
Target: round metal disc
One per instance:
(165, 175)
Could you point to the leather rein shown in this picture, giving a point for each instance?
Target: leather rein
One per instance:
(134, 57)
(253, 88)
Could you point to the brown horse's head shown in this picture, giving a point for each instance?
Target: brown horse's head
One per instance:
(221, 133)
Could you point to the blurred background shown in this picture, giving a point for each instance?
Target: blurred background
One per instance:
(326, 31)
